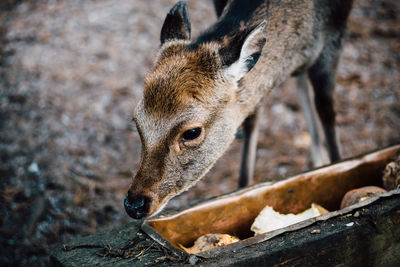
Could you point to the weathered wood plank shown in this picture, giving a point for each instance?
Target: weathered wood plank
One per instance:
(114, 238)
(370, 239)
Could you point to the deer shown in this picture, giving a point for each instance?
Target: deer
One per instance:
(201, 91)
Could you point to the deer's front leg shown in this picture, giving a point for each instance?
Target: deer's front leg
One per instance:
(250, 135)
(322, 78)
(317, 155)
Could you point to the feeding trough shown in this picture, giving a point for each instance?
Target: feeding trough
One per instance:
(362, 234)
(234, 213)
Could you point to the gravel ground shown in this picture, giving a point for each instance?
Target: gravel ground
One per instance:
(71, 73)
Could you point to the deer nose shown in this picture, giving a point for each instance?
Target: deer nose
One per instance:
(137, 206)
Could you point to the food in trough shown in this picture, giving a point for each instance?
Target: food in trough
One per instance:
(270, 220)
(210, 241)
(360, 194)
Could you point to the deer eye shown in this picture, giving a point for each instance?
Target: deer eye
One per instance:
(191, 134)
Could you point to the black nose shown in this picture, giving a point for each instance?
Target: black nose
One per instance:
(137, 206)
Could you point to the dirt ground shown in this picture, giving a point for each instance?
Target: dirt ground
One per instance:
(71, 73)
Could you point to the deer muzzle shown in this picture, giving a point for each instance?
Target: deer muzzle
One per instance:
(137, 206)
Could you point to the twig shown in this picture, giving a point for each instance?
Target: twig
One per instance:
(76, 180)
(38, 208)
(69, 248)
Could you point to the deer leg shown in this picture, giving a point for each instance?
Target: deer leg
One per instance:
(322, 78)
(250, 135)
(311, 120)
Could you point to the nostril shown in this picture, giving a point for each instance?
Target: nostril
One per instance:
(138, 203)
(136, 206)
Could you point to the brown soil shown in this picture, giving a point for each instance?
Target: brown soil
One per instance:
(71, 73)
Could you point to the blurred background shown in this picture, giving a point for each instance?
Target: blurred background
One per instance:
(71, 73)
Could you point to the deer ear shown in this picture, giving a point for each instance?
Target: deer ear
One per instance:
(177, 24)
(247, 54)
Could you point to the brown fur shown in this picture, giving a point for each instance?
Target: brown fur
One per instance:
(180, 76)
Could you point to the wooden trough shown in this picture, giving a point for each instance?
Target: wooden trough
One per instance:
(234, 213)
(371, 238)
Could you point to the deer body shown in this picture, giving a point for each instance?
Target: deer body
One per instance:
(200, 92)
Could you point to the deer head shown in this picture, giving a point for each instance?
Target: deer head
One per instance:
(191, 109)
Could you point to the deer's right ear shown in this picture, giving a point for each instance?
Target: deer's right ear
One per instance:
(241, 55)
(177, 24)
